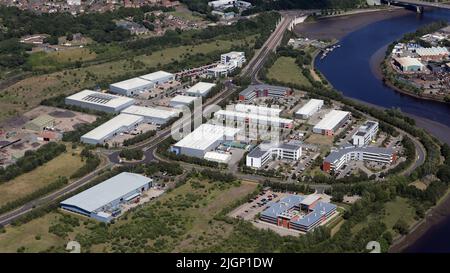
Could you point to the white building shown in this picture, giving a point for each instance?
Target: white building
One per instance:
(260, 155)
(228, 63)
(203, 139)
(99, 101)
(159, 77)
(221, 3)
(255, 119)
(116, 125)
(218, 157)
(200, 89)
(366, 133)
(309, 109)
(104, 201)
(151, 114)
(131, 87)
(256, 109)
(331, 122)
(181, 100)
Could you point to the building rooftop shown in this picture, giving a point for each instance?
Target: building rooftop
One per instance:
(131, 83)
(149, 112)
(256, 109)
(217, 157)
(99, 98)
(200, 88)
(261, 119)
(113, 125)
(109, 190)
(183, 99)
(262, 148)
(205, 135)
(408, 61)
(156, 76)
(337, 154)
(430, 51)
(331, 119)
(309, 107)
(256, 87)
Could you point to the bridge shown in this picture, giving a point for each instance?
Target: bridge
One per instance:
(418, 4)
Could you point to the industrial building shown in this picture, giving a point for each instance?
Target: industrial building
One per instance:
(256, 109)
(408, 64)
(151, 114)
(223, 158)
(181, 100)
(255, 119)
(40, 123)
(432, 53)
(203, 139)
(264, 90)
(116, 125)
(228, 63)
(222, 3)
(331, 122)
(264, 152)
(366, 133)
(200, 89)
(99, 101)
(337, 158)
(309, 109)
(159, 77)
(131, 87)
(104, 201)
(298, 212)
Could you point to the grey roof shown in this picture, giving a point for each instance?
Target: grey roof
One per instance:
(252, 88)
(337, 154)
(261, 149)
(109, 190)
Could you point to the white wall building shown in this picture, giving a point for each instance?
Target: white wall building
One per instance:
(365, 134)
(331, 122)
(255, 119)
(116, 125)
(203, 139)
(309, 109)
(99, 101)
(131, 87)
(181, 100)
(151, 114)
(228, 63)
(260, 155)
(159, 77)
(200, 89)
(218, 157)
(221, 3)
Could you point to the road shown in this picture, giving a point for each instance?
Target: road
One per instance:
(420, 3)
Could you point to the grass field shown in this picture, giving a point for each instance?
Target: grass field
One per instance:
(180, 220)
(63, 165)
(42, 60)
(286, 70)
(398, 209)
(29, 92)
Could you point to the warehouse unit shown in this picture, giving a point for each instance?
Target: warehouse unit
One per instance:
(181, 100)
(255, 119)
(255, 109)
(203, 139)
(116, 125)
(151, 114)
(40, 123)
(309, 109)
(159, 77)
(337, 158)
(298, 212)
(264, 90)
(408, 64)
(131, 87)
(218, 157)
(99, 101)
(366, 133)
(200, 89)
(331, 122)
(104, 201)
(260, 155)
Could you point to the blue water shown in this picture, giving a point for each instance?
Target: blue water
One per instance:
(349, 70)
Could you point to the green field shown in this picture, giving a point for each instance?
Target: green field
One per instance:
(398, 209)
(287, 71)
(59, 59)
(63, 165)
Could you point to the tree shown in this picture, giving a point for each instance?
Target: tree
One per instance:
(401, 226)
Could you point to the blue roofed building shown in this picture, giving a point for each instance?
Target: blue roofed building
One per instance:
(302, 213)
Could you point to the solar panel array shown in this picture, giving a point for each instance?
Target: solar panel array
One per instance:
(99, 98)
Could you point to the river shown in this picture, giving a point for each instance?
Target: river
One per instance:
(353, 69)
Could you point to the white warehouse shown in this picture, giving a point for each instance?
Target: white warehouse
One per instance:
(151, 114)
(260, 155)
(104, 201)
(131, 87)
(99, 101)
(159, 77)
(181, 100)
(331, 122)
(200, 89)
(309, 109)
(203, 139)
(114, 126)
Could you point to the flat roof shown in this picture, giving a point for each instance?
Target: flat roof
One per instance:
(262, 148)
(256, 109)
(408, 61)
(310, 199)
(99, 98)
(132, 83)
(331, 119)
(109, 190)
(183, 99)
(309, 107)
(201, 88)
(149, 112)
(113, 125)
(156, 76)
(339, 153)
(273, 88)
(217, 157)
(259, 118)
(205, 135)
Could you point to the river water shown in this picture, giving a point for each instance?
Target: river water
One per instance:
(352, 69)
